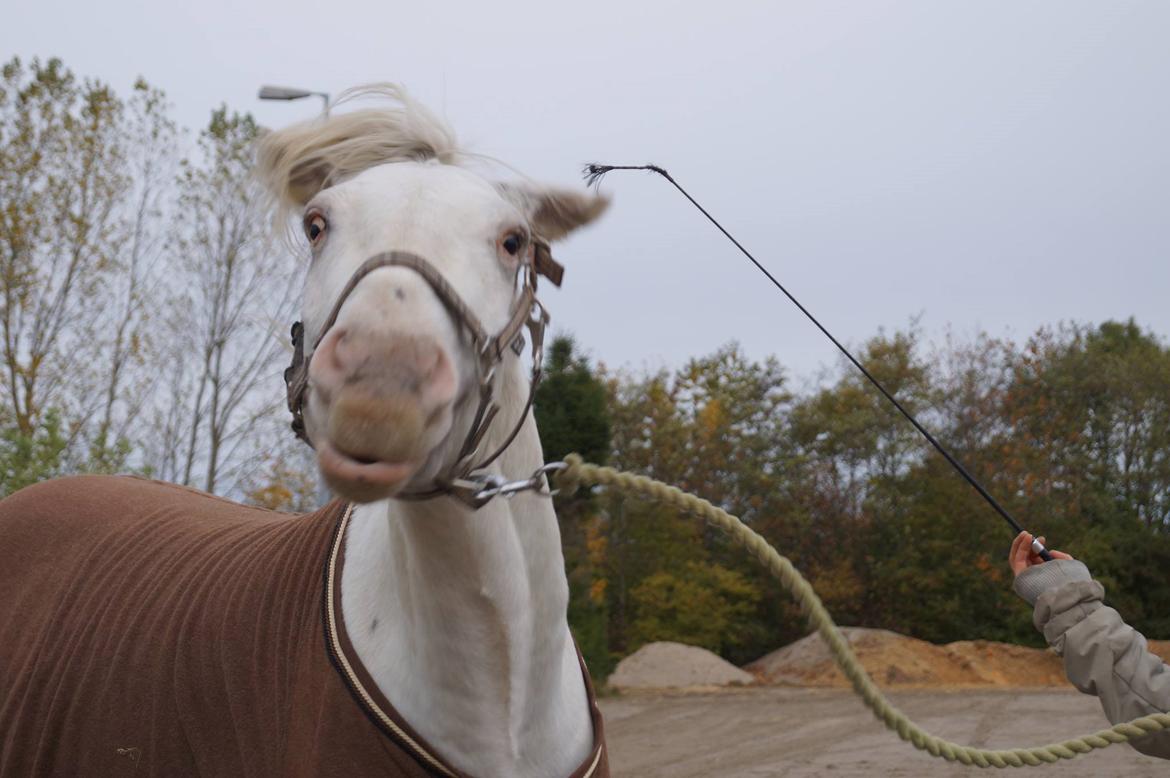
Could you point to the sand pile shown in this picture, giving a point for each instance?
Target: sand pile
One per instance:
(674, 665)
(1005, 664)
(893, 659)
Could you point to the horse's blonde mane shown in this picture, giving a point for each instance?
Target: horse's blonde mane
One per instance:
(297, 162)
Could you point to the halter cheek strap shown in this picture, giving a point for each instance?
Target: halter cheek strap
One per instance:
(462, 479)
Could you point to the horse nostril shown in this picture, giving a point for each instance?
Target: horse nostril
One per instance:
(331, 359)
(341, 345)
(440, 376)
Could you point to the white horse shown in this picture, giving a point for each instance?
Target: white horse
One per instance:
(456, 615)
(460, 614)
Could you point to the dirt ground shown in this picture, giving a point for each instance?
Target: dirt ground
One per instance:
(828, 732)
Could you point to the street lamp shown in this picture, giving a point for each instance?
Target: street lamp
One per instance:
(292, 93)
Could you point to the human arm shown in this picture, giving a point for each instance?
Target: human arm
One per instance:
(1102, 654)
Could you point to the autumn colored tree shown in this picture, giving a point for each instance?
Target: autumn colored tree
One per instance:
(127, 345)
(1089, 450)
(230, 300)
(1068, 432)
(715, 427)
(60, 183)
(116, 268)
(933, 550)
(81, 175)
(853, 452)
(286, 482)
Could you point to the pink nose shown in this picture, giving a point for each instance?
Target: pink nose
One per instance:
(381, 364)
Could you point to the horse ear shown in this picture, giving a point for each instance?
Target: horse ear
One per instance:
(554, 212)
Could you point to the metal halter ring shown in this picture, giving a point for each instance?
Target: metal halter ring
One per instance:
(492, 485)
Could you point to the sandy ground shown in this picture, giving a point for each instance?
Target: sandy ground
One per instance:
(828, 732)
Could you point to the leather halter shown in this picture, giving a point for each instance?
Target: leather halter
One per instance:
(462, 479)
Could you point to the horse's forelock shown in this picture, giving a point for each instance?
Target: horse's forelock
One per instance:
(297, 162)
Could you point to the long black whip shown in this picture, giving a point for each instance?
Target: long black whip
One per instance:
(593, 175)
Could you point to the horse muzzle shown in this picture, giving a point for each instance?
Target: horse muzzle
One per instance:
(386, 400)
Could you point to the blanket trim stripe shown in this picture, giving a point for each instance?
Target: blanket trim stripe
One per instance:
(345, 669)
(365, 692)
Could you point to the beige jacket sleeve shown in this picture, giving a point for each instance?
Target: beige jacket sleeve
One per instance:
(1102, 654)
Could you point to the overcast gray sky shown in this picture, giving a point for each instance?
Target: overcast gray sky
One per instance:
(986, 165)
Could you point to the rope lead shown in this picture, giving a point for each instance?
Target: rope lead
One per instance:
(579, 474)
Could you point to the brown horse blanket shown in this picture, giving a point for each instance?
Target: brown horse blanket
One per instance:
(151, 630)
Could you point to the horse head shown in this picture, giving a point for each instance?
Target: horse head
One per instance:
(394, 365)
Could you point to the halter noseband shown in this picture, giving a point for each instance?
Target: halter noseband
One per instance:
(463, 479)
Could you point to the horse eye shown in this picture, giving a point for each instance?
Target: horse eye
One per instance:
(314, 228)
(512, 243)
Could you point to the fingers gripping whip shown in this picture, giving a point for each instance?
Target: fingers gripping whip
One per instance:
(593, 175)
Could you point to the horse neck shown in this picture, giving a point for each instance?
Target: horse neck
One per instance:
(460, 618)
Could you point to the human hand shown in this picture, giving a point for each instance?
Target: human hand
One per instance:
(1021, 557)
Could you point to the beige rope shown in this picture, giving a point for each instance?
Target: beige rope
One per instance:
(579, 474)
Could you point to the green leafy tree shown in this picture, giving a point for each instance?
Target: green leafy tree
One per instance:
(573, 416)
(700, 604)
(570, 406)
(28, 458)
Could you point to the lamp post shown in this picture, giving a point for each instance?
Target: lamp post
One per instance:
(292, 93)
